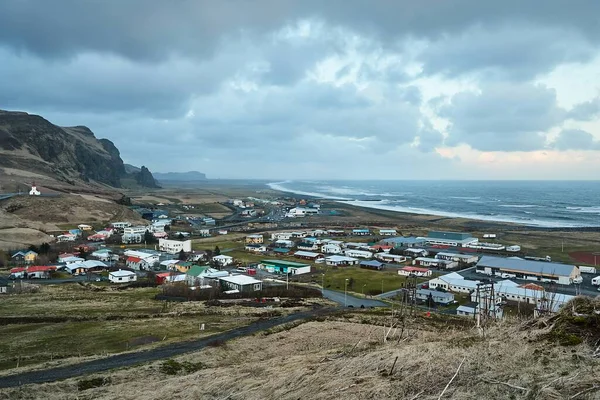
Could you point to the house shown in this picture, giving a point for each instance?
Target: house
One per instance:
(387, 232)
(70, 260)
(135, 230)
(84, 227)
(467, 310)
(284, 243)
(414, 271)
(83, 267)
(169, 277)
(18, 273)
(453, 282)
(208, 221)
(223, 260)
(130, 238)
(40, 271)
(285, 267)
(308, 255)
(443, 298)
(404, 242)
(415, 252)
(248, 213)
(181, 266)
(459, 258)
(543, 271)
(336, 232)
(254, 239)
(122, 276)
(281, 250)
(204, 232)
(372, 264)
(434, 262)
(222, 232)
(120, 225)
(240, 283)
(454, 239)
(196, 275)
(27, 257)
(256, 248)
(198, 255)
(281, 236)
(361, 232)
(331, 249)
(174, 246)
(338, 261)
(378, 248)
(358, 253)
(67, 237)
(140, 261)
(309, 246)
(390, 258)
(103, 255)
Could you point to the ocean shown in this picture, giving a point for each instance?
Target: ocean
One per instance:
(534, 203)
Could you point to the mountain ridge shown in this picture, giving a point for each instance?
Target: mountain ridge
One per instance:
(31, 146)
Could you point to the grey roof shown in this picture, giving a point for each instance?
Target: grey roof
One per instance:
(449, 235)
(402, 239)
(427, 292)
(536, 267)
(372, 263)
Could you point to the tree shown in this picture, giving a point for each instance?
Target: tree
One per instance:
(180, 236)
(430, 302)
(350, 283)
(182, 256)
(216, 251)
(82, 252)
(44, 248)
(149, 238)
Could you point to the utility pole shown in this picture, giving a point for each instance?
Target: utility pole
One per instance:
(345, 290)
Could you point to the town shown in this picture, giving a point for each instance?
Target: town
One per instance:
(247, 252)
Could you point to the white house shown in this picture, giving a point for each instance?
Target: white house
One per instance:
(358, 253)
(174, 246)
(285, 243)
(299, 212)
(391, 258)
(34, 191)
(84, 227)
(387, 232)
(281, 236)
(240, 283)
(121, 225)
(460, 258)
(331, 249)
(67, 237)
(135, 230)
(122, 276)
(415, 252)
(434, 262)
(415, 271)
(223, 260)
(453, 282)
(337, 261)
(256, 248)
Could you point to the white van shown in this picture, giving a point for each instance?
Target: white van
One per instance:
(596, 281)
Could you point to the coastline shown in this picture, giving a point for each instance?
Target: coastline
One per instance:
(375, 205)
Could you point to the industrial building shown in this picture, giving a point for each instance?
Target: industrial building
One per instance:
(434, 262)
(337, 261)
(454, 239)
(459, 258)
(404, 242)
(562, 274)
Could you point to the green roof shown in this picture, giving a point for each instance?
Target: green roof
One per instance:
(449, 235)
(185, 264)
(283, 263)
(197, 270)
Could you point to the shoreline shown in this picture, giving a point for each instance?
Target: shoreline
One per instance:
(402, 216)
(372, 205)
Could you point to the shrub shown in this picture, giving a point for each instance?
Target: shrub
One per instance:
(86, 384)
(172, 367)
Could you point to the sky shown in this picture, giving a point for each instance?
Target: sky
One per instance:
(306, 89)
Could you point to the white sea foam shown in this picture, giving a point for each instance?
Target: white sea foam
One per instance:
(519, 205)
(495, 218)
(279, 186)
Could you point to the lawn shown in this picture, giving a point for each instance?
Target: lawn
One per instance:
(360, 280)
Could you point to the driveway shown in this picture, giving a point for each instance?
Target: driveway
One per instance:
(351, 300)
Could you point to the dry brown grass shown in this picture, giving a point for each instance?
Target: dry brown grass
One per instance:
(346, 358)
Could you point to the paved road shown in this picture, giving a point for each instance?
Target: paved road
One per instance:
(168, 351)
(351, 300)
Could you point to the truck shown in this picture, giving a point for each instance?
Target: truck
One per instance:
(596, 281)
(546, 259)
(513, 249)
(587, 270)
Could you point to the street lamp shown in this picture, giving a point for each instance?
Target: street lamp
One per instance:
(322, 283)
(345, 290)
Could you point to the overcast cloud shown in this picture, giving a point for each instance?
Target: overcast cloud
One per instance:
(317, 89)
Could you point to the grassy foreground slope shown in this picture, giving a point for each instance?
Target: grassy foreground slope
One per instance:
(346, 357)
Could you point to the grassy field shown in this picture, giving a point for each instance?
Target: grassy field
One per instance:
(71, 320)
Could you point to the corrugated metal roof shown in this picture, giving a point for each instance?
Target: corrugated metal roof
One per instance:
(536, 267)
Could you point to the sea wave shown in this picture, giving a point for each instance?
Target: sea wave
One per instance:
(519, 205)
(279, 186)
(476, 216)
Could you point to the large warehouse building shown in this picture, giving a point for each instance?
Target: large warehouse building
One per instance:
(530, 270)
(455, 239)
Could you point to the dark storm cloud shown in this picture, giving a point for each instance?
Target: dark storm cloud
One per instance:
(503, 117)
(575, 139)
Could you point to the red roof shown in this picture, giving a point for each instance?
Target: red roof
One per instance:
(415, 269)
(163, 274)
(40, 268)
(18, 269)
(134, 259)
(532, 286)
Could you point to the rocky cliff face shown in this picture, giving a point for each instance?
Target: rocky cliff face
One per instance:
(145, 178)
(69, 154)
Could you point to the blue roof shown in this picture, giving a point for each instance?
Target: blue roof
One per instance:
(281, 250)
(372, 263)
